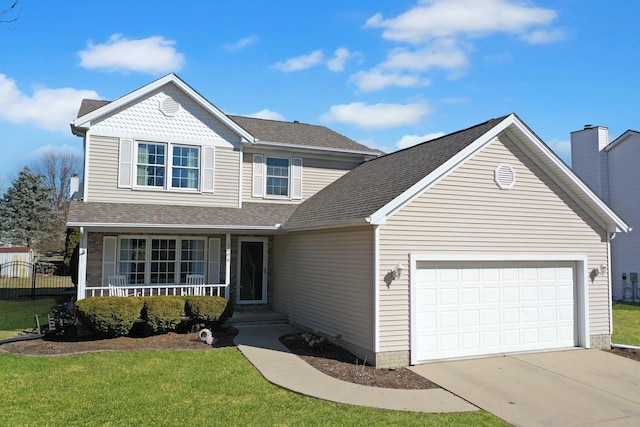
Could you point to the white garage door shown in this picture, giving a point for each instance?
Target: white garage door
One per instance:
(470, 309)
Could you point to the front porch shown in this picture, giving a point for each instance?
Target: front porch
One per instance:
(237, 267)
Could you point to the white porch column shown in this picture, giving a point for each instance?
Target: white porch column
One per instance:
(82, 264)
(227, 266)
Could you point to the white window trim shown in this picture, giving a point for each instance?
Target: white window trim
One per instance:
(168, 167)
(266, 178)
(147, 255)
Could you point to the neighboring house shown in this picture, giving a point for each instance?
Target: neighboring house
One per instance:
(479, 242)
(611, 170)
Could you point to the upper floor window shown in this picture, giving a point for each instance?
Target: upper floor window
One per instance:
(185, 167)
(168, 166)
(277, 177)
(151, 164)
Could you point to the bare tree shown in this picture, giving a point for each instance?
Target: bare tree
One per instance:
(57, 169)
(10, 14)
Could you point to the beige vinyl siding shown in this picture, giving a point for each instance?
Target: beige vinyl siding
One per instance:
(317, 173)
(323, 280)
(467, 213)
(103, 179)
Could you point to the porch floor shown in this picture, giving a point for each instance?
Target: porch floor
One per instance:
(255, 315)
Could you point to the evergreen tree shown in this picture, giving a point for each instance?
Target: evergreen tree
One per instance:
(26, 211)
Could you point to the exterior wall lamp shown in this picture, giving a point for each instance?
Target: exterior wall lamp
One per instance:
(397, 272)
(602, 270)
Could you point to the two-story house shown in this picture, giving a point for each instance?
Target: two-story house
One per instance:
(610, 169)
(478, 242)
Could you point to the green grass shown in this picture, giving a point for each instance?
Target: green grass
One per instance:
(176, 388)
(18, 315)
(626, 324)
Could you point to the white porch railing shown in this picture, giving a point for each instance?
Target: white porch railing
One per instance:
(155, 290)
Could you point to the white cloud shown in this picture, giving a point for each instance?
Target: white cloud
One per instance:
(450, 18)
(562, 147)
(154, 55)
(441, 55)
(241, 44)
(48, 148)
(50, 109)
(545, 36)
(377, 116)
(368, 81)
(267, 114)
(411, 140)
(299, 63)
(338, 61)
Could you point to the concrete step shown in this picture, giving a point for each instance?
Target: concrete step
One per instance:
(260, 318)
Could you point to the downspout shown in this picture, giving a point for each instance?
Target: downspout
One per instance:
(227, 266)
(376, 289)
(82, 265)
(240, 179)
(610, 237)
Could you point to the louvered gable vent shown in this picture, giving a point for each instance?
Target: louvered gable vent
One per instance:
(169, 106)
(504, 176)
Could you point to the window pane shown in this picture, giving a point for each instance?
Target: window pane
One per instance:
(191, 258)
(186, 167)
(151, 165)
(277, 177)
(132, 260)
(163, 261)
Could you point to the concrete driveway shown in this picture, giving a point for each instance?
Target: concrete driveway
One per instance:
(560, 388)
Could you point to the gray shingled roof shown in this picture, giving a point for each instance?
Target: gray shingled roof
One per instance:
(369, 187)
(250, 215)
(89, 105)
(295, 133)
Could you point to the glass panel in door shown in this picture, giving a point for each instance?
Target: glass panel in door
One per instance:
(252, 280)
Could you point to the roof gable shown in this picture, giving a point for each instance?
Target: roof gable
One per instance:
(378, 188)
(628, 135)
(87, 115)
(376, 183)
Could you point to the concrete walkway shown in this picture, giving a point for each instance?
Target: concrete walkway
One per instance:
(260, 345)
(560, 388)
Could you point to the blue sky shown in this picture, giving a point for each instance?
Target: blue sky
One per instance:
(385, 73)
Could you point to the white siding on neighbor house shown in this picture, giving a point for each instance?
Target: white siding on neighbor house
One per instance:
(102, 182)
(467, 213)
(625, 201)
(323, 280)
(144, 119)
(317, 173)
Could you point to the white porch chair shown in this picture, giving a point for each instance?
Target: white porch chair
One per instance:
(195, 282)
(116, 285)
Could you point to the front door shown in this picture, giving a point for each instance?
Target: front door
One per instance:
(252, 270)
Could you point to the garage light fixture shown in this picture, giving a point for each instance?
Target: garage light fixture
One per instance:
(397, 272)
(602, 270)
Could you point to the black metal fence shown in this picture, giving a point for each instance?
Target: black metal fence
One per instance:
(20, 279)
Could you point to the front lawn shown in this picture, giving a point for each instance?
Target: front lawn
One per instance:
(626, 324)
(18, 315)
(176, 388)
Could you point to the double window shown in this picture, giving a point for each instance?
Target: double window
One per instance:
(152, 164)
(160, 260)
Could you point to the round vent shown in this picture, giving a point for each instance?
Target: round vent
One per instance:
(169, 106)
(504, 176)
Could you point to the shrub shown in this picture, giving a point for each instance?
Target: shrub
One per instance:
(208, 310)
(109, 316)
(163, 313)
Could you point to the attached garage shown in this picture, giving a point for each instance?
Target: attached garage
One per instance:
(483, 242)
(474, 308)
